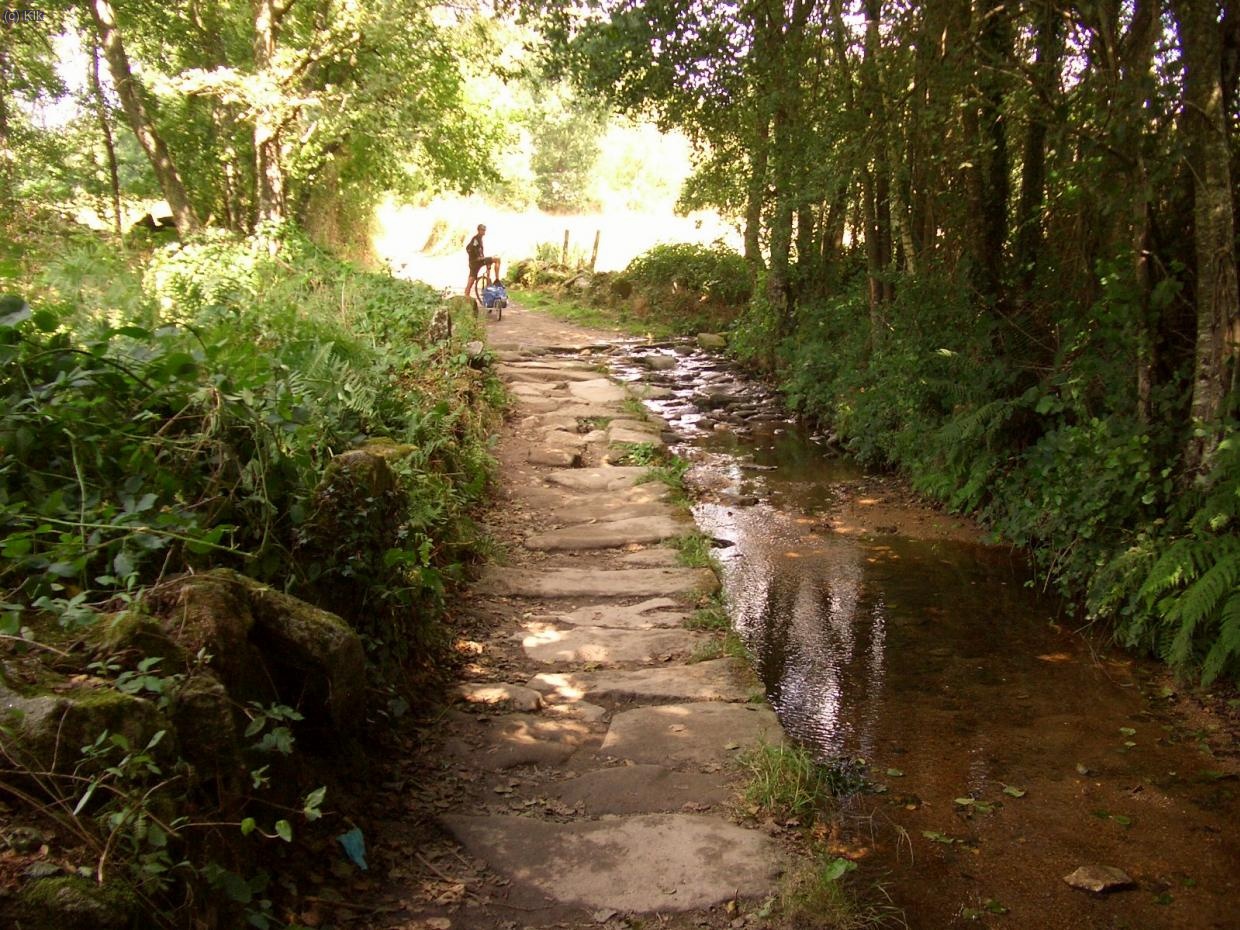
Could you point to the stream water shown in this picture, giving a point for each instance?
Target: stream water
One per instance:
(936, 662)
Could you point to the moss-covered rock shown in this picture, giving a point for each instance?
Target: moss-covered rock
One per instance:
(135, 635)
(47, 730)
(266, 646)
(204, 713)
(67, 902)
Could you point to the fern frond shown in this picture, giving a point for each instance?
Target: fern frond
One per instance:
(1226, 649)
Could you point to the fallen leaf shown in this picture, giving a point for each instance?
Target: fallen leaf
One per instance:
(1013, 792)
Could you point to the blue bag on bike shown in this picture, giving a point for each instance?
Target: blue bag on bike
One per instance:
(495, 295)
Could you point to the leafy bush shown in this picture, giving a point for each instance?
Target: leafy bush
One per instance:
(715, 271)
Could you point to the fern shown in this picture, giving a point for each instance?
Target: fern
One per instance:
(1226, 649)
(1190, 609)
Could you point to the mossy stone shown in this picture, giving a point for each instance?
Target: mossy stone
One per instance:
(68, 902)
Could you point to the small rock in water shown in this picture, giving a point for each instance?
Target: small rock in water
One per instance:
(1100, 879)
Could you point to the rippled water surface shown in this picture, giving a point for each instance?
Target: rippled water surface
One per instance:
(940, 666)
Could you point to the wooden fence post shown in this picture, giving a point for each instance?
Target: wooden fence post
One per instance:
(564, 251)
(594, 253)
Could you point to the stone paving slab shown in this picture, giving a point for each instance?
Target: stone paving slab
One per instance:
(547, 642)
(598, 391)
(555, 458)
(606, 478)
(655, 425)
(514, 374)
(630, 436)
(584, 582)
(499, 694)
(537, 391)
(643, 789)
(649, 863)
(611, 508)
(554, 364)
(689, 734)
(659, 555)
(609, 534)
(715, 680)
(656, 612)
(520, 739)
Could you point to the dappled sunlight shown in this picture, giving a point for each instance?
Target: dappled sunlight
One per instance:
(562, 686)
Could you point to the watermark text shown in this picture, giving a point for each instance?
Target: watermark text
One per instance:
(14, 17)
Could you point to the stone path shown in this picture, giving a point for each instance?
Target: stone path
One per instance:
(599, 755)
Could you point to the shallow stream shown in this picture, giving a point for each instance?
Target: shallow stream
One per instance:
(1007, 749)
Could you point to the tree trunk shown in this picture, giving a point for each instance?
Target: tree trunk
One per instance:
(7, 194)
(268, 160)
(756, 192)
(878, 196)
(131, 94)
(1217, 292)
(105, 129)
(995, 42)
(1033, 165)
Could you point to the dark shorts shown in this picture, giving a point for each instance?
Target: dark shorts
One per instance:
(477, 264)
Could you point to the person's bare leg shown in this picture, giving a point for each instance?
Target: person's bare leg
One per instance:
(496, 265)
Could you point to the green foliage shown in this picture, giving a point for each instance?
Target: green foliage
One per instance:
(694, 549)
(785, 782)
(715, 272)
(192, 426)
(1175, 587)
(566, 138)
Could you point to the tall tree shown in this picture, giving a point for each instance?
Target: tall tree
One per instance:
(132, 95)
(1217, 353)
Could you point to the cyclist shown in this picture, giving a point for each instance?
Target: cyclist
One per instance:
(480, 261)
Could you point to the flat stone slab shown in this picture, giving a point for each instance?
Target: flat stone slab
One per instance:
(656, 613)
(546, 642)
(529, 374)
(654, 427)
(689, 734)
(609, 478)
(539, 390)
(563, 439)
(634, 437)
(495, 694)
(565, 505)
(608, 534)
(598, 391)
(584, 582)
(660, 555)
(526, 363)
(642, 789)
(717, 680)
(644, 864)
(555, 458)
(522, 739)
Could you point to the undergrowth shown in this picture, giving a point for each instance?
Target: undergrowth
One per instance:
(185, 411)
